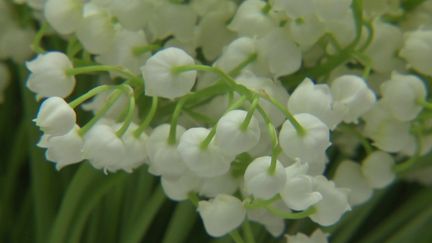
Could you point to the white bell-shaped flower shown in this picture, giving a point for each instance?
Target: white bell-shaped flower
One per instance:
(231, 137)
(205, 162)
(164, 158)
(212, 33)
(315, 99)
(224, 184)
(352, 97)
(260, 181)
(65, 149)
(279, 53)
(159, 77)
(164, 21)
(103, 148)
(317, 237)
(55, 117)
(132, 14)
(333, 204)
(96, 30)
(381, 51)
(349, 175)
(274, 225)
(417, 50)
(377, 168)
(299, 192)
(135, 148)
(48, 75)
(388, 134)
(64, 15)
(309, 147)
(100, 100)
(178, 188)
(123, 52)
(400, 95)
(235, 53)
(250, 20)
(222, 214)
(272, 88)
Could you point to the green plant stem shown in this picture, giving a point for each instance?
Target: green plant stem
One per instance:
(247, 231)
(174, 120)
(145, 217)
(181, 223)
(204, 144)
(129, 117)
(114, 96)
(148, 119)
(289, 215)
(106, 68)
(235, 235)
(76, 102)
(245, 124)
(93, 197)
(75, 195)
(36, 44)
(390, 224)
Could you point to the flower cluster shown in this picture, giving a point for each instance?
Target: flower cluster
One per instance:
(236, 107)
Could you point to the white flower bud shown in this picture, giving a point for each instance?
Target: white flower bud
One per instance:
(333, 204)
(165, 159)
(315, 99)
(235, 53)
(159, 77)
(349, 175)
(400, 95)
(48, 75)
(64, 15)
(312, 145)
(317, 237)
(96, 30)
(178, 188)
(417, 50)
(260, 182)
(231, 138)
(274, 225)
(222, 214)
(250, 20)
(299, 192)
(225, 184)
(65, 149)
(103, 148)
(352, 97)
(387, 133)
(377, 168)
(55, 117)
(207, 162)
(279, 53)
(135, 148)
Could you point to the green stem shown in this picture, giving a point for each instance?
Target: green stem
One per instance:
(129, 117)
(238, 103)
(145, 217)
(204, 144)
(245, 124)
(276, 150)
(247, 231)
(76, 102)
(286, 215)
(83, 179)
(236, 71)
(259, 203)
(181, 223)
(93, 197)
(114, 96)
(36, 44)
(235, 235)
(174, 120)
(424, 103)
(193, 198)
(148, 119)
(139, 50)
(106, 68)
